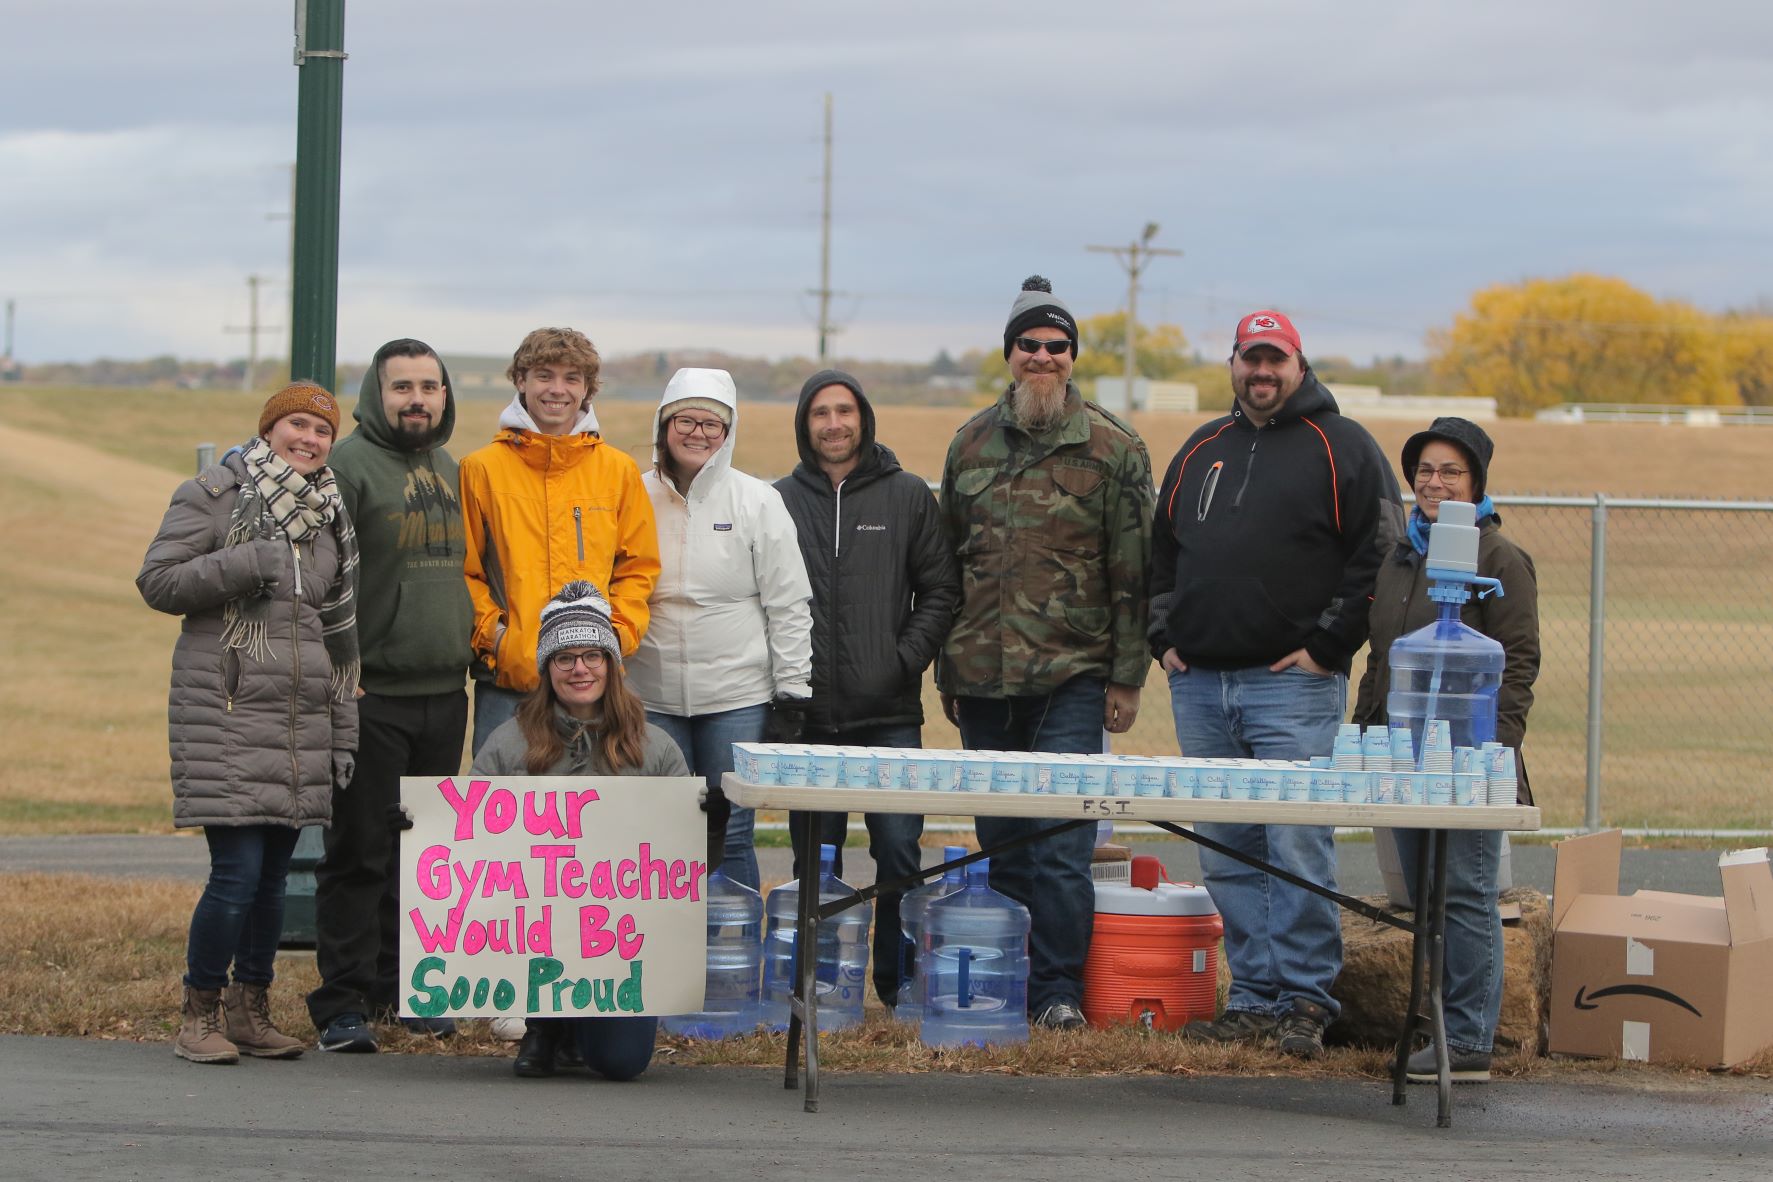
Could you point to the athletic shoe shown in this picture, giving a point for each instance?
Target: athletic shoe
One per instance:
(350, 1034)
(508, 1029)
(435, 1027)
(1061, 1015)
(1301, 1032)
(1235, 1026)
(1467, 1067)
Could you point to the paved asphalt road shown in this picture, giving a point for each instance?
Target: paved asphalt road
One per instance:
(73, 1110)
(1691, 871)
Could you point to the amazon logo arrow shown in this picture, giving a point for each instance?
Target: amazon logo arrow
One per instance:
(1631, 991)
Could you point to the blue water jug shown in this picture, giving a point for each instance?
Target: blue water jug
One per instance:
(974, 967)
(1448, 670)
(912, 909)
(735, 949)
(841, 974)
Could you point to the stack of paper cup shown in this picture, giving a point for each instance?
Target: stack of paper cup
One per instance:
(1376, 749)
(1437, 746)
(1345, 755)
(1504, 782)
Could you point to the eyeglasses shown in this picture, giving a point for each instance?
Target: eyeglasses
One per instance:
(685, 425)
(566, 662)
(1030, 345)
(1449, 473)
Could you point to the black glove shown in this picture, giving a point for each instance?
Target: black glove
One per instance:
(719, 810)
(787, 721)
(399, 817)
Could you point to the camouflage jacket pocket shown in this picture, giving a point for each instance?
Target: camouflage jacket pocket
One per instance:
(1073, 513)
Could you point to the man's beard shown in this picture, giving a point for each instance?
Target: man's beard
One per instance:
(408, 438)
(1038, 400)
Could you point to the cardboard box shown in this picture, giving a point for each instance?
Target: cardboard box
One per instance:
(1658, 976)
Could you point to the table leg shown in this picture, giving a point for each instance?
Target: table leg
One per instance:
(806, 962)
(1418, 976)
(1437, 963)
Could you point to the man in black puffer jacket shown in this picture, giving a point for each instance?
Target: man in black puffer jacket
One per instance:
(885, 590)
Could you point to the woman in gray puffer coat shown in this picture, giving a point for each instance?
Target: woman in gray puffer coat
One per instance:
(257, 554)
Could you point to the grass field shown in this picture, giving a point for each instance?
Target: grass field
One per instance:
(86, 474)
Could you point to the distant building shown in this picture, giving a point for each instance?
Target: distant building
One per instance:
(1370, 402)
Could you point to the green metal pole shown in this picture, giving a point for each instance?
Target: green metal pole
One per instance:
(320, 60)
(314, 302)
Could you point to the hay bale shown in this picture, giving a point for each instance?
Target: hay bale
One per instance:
(1374, 987)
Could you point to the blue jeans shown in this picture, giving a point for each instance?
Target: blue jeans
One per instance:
(1052, 877)
(493, 707)
(616, 1048)
(1282, 944)
(892, 843)
(706, 741)
(1471, 989)
(239, 918)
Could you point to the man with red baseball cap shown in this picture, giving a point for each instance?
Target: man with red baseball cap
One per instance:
(1264, 551)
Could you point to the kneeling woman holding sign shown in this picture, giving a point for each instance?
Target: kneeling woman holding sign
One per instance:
(583, 720)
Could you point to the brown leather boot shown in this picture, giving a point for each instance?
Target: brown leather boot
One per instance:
(249, 1024)
(200, 1038)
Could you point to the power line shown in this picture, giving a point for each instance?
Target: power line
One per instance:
(1134, 257)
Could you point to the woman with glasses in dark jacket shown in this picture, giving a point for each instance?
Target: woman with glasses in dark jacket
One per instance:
(1450, 462)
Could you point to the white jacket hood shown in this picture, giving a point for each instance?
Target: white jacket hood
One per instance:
(515, 417)
(714, 384)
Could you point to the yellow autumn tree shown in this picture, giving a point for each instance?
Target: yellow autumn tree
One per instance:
(1747, 342)
(1582, 338)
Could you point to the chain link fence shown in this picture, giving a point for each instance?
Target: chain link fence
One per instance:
(1667, 724)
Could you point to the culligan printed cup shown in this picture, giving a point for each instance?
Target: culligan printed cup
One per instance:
(1465, 788)
(1357, 787)
(1265, 782)
(919, 771)
(1067, 775)
(824, 766)
(1346, 753)
(1403, 750)
(1184, 780)
(1437, 746)
(975, 773)
(1439, 787)
(1150, 777)
(1213, 782)
(944, 772)
(1007, 773)
(1403, 788)
(858, 768)
(1123, 777)
(1038, 778)
(1326, 784)
(791, 766)
(1092, 776)
(1237, 784)
(1465, 759)
(1376, 749)
(889, 767)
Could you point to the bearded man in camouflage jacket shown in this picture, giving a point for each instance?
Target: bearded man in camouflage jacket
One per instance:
(1047, 500)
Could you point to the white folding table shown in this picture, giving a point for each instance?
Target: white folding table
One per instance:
(1427, 927)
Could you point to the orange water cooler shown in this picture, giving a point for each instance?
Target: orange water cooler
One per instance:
(1154, 958)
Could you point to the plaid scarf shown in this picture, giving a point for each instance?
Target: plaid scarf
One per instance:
(278, 503)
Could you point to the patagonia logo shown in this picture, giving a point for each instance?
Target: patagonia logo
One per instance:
(864, 527)
(1631, 991)
(721, 527)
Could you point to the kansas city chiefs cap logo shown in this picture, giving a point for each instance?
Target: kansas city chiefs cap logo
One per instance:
(1261, 324)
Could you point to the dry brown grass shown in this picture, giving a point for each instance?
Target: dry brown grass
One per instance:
(85, 703)
(101, 958)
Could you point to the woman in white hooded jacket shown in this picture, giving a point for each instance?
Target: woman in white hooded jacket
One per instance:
(728, 653)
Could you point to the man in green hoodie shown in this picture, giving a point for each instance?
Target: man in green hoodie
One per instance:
(414, 623)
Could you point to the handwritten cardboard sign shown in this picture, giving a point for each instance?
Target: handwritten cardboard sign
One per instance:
(554, 896)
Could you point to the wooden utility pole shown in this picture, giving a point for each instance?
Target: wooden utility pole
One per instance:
(824, 290)
(249, 381)
(1134, 257)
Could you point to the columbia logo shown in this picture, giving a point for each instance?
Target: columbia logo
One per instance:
(871, 528)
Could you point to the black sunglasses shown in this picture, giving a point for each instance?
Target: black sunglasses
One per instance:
(1030, 345)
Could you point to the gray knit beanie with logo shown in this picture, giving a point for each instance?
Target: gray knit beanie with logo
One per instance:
(578, 617)
(1037, 307)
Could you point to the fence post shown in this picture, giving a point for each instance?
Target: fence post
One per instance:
(205, 455)
(1597, 625)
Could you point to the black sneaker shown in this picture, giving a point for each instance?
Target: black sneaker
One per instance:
(1061, 1015)
(350, 1034)
(435, 1027)
(1467, 1067)
(1301, 1033)
(1235, 1026)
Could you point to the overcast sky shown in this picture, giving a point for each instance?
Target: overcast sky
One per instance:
(649, 173)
